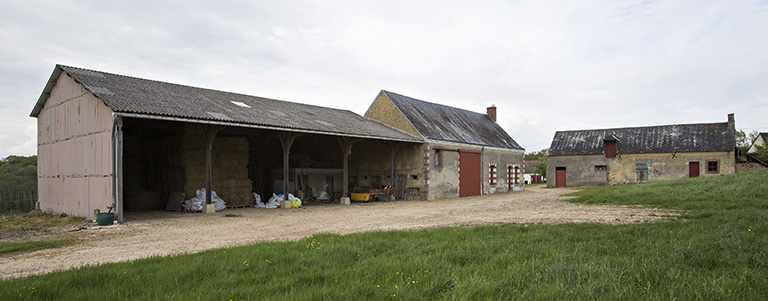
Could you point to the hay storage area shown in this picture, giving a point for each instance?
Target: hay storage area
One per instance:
(229, 166)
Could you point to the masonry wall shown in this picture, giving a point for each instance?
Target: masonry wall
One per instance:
(503, 159)
(369, 168)
(582, 171)
(444, 169)
(74, 148)
(384, 111)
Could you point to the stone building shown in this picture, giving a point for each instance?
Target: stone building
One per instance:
(641, 154)
(464, 153)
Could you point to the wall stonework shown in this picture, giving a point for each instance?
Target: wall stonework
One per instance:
(384, 111)
(370, 162)
(581, 170)
(502, 158)
(444, 176)
(747, 167)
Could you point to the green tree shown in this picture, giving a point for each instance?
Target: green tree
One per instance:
(541, 167)
(535, 156)
(761, 153)
(18, 184)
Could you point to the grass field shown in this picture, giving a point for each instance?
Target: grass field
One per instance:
(718, 251)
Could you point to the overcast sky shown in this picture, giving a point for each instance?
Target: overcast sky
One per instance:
(546, 65)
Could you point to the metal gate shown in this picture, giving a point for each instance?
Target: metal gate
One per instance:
(470, 179)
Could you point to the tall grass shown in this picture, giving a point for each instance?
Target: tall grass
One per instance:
(718, 251)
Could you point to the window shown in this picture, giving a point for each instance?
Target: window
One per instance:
(713, 167)
(438, 157)
(601, 168)
(492, 174)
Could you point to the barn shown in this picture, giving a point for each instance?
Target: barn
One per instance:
(641, 154)
(108, 140)
(464, 153)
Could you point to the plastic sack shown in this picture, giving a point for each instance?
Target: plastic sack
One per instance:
(273, 202)
(196, 203)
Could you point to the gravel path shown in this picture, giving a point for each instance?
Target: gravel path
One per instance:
(165, 233)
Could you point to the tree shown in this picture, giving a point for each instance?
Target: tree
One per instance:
(535, 156)
(761, 153)
(742, 142)
(18, 183)
(541, 167)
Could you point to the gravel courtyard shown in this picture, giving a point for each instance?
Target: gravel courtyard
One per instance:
(157, 233)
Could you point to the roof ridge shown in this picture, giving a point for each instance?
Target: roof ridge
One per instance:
(433, 103)
(646, 127)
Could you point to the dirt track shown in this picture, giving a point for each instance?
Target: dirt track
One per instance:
(164, 233)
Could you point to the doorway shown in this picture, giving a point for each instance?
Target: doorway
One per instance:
(693, 169)
(559, 176)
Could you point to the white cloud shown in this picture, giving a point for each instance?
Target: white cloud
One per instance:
(547, 65)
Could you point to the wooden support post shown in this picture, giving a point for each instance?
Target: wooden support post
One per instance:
(346, 150)
(392, 148)
(209, 132)
(117, 157)
(286, 140)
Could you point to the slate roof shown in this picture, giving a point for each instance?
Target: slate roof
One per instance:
(440, 122)
(124, 94)
(708, 137)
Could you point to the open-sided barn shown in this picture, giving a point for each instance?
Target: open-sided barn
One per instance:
(108, 140)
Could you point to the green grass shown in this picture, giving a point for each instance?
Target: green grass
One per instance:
(38, 220)
(718, 251)
(31, 246)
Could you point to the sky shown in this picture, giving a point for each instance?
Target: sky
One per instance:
(546, 65)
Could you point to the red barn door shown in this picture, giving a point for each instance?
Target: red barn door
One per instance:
(470, 177)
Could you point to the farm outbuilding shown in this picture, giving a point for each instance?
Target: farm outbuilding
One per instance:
(464, 153)
(108, 140)
(641, 154)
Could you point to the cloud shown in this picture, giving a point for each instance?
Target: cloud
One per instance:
(547, 65)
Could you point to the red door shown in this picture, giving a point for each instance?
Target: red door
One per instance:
(693, 169)
(470, 179)
(560, 177)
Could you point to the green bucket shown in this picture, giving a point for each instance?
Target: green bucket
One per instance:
(104, 219)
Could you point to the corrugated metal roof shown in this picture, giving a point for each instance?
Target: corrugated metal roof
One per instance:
(148, 97)
(680, 138)
(440, 122)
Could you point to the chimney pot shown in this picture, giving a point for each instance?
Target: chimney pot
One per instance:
(492, 112)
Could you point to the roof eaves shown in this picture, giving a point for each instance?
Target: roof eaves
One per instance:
(46, 91)
(257, 126)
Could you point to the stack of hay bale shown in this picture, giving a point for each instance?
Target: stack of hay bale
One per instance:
(229, 166)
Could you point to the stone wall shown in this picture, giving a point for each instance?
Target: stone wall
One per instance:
(582, 171)
(747, 167)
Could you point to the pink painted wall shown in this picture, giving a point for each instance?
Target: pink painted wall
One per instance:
(74, 149)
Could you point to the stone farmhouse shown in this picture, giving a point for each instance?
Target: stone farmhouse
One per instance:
(641, 154)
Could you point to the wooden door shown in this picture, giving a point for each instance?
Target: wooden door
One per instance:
(693, 169)
(560, 177)
(470, 173)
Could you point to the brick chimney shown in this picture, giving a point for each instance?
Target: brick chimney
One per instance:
(492, 112)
